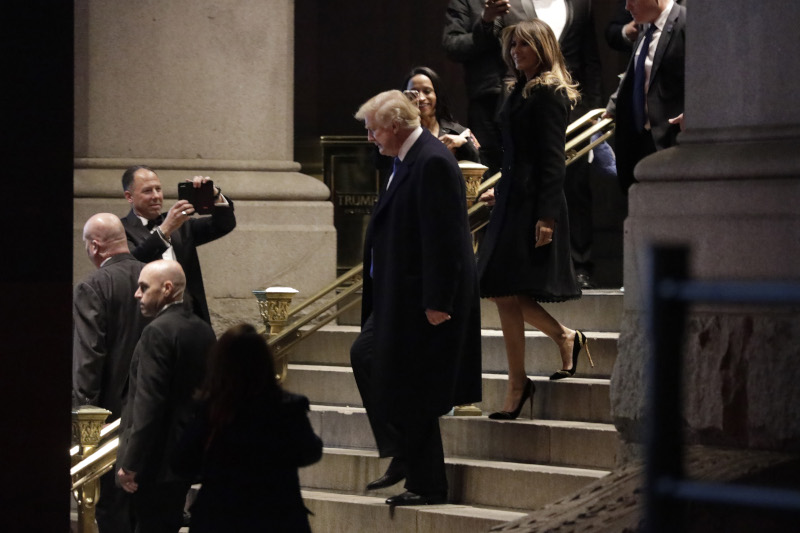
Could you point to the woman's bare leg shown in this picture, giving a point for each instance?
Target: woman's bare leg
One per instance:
(536, 315)
(513, 325)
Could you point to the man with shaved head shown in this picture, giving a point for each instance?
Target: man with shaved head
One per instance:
(166, 368)
(107, 326)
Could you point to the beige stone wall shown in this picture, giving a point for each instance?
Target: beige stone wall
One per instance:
(184, 79)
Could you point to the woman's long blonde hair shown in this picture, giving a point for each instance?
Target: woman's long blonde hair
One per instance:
(552, 68)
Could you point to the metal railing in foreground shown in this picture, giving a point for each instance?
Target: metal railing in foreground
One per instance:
(669, 292)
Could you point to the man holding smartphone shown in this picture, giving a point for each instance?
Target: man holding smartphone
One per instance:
(175, 234)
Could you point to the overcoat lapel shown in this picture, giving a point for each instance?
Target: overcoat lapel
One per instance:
(663, 42)
(401, 173)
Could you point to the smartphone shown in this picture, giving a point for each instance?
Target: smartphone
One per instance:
(201, 198)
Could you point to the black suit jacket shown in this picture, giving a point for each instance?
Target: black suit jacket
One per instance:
(147, 247)
(467, 41)
(418, 242)
(665, 94)
(107, 325)
(166, 368)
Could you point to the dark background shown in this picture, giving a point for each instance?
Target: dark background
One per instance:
(346, 52)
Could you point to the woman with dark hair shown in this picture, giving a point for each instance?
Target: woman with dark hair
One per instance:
(524, 258)
(435, 115)
(247, 442)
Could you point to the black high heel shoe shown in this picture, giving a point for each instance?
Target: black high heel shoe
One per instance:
(527, 394)
(580, 343)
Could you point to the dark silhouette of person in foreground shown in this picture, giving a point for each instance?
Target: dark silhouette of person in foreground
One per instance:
(247, 442)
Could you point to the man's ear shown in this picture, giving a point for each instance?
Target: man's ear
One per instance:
(168, 288)
(129, 197)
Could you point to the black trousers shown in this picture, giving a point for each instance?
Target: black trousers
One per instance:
(629, 154)
(113, 508)
(413, 437)
(158, 508)
(578, 191)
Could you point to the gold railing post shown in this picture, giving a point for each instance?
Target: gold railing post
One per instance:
(87, 421)
(473, 174)
(273, 303)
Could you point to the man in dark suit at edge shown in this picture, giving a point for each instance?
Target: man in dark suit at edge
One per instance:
(472, 37)
(648, 104)
(107, 326)
(419, 350)
(167, 366)
(175, 234)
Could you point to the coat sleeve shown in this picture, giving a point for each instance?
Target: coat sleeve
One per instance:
(306, 446)
(464, 36)
(89, 345)
(220, 223)
(549, 121)
(442, 214)
(148, 410)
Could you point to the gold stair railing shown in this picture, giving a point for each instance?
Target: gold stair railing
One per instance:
(92, 456)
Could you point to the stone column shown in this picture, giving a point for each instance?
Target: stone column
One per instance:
(731, 191)
(199, 87)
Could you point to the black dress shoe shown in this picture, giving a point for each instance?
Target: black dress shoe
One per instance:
(409, 498)
(394, 474)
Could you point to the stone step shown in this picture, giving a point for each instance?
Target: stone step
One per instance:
(330, 345)
(577, 399)
(556, 442)
(507, 485)
(349, 513)
(597, 310)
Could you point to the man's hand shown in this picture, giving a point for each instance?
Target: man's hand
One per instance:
(544, 231)
(436, 317)
(176, 216)
(631, 31)
(487, 197)
(452, 142)
(493, 9)
(127, 480)
(677, 120)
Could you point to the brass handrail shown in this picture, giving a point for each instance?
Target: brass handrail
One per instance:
(95, 464)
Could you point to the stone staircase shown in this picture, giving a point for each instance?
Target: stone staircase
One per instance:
(497, 470)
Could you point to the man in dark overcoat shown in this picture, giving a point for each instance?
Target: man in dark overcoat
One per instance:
(418, 353)
(167, 367)
(107, 326)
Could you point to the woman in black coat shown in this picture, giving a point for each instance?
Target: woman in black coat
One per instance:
(524, 258)
(434, 114)
(247, 442)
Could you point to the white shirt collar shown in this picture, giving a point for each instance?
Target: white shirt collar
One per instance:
(662, 18)
(409, 142)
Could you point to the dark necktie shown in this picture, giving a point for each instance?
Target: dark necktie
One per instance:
(639, 114)
(155, 222)
(394, 169)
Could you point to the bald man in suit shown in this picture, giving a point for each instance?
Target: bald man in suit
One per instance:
(107, 326)
(167, 366)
